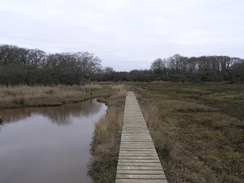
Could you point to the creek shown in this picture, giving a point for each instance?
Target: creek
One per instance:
(48, 144)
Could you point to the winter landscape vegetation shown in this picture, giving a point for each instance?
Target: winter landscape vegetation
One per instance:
(65, 70)
(193, 107)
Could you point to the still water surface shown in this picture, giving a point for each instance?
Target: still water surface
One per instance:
(48, 144)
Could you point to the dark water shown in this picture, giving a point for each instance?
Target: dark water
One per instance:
(48, 145)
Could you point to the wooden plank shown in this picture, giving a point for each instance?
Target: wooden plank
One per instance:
(150, 164)
(138, 160)
(137, 148)
(136, 172)
(132, 176)
(136, 155)
(141, 181)
(139, 167)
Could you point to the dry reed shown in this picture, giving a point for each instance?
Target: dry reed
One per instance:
(106, 140)
(121, 90)
(21, 96)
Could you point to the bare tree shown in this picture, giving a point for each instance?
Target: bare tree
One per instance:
(88, 64)
(158, 66)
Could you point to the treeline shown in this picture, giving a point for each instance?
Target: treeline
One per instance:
(183, 69)
(199, 69)
(33, 66)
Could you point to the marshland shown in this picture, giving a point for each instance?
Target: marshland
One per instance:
(194, 109)
(65, 70)
(197, 129)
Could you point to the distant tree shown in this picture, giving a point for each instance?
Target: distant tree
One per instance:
(192, 65)
(19, 65)
(197, 69)
(158, 66)
(108, 70)
(88, 64)
(32, 66)
(108, 74)
(177, 64)
(237, 71)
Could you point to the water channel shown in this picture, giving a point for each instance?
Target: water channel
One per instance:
(48, 144)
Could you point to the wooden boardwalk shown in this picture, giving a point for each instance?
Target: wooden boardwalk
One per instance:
(138, 160)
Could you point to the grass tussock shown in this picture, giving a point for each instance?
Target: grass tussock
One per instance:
(121, 90)
(92, 87)
(106, 141)
(22, 96)
(196, 140)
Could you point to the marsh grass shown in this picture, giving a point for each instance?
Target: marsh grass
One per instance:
(106, 141)
(22, 96)
(196, 140)
(121, 90)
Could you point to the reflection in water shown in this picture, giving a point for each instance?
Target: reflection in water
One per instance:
(32, 149)
(59, 115)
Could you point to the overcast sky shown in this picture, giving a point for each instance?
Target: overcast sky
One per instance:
(126, 34)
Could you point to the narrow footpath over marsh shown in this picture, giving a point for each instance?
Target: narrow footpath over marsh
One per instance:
(138, 159)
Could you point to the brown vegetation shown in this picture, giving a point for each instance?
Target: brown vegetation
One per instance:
(106, 139)
(195, 133)
(23, 96)
(197, 128)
